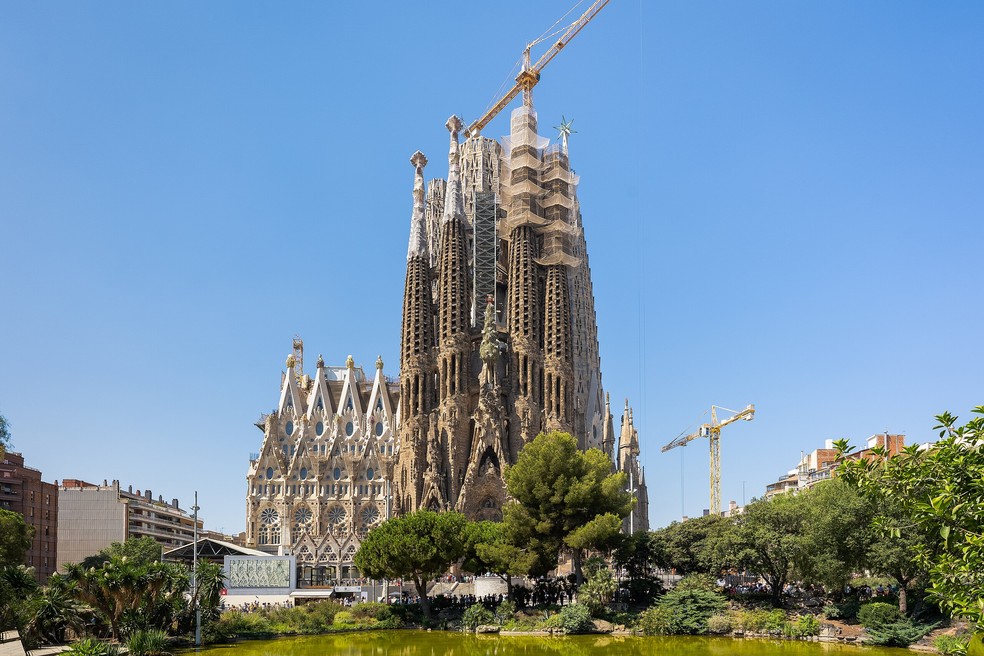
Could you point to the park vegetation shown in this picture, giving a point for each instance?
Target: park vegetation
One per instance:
(908, 527)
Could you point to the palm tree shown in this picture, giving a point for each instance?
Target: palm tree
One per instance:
(53, 610)
(211, 581)
(17, 583)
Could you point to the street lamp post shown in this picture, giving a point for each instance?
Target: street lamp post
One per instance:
(388, 501)
(194, 576)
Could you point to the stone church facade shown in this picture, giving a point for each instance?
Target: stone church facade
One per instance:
(322, 477)
(499, 339)
(499, 343)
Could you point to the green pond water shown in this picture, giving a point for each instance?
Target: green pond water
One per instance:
(440, 643)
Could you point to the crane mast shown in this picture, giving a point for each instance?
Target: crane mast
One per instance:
(529, 75)
(712, 432)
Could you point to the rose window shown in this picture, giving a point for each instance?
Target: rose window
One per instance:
(336, 515)
(302, 516)
(269, 516)
(370, 514)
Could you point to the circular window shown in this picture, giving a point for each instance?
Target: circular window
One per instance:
(302, 515)
(370, 474)
(303, 473)
(289, 428)
(337, 473)
(269, 516)
(269, 473)
(370, 514)
(379, 428)
(319, 428)
(349, 428)
(336, 515)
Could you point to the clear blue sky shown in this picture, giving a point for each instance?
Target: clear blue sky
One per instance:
(782, 200)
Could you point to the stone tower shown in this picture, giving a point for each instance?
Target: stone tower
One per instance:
(628, 462)
(500, 339)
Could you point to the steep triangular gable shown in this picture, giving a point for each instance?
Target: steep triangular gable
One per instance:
(349, 401)
(271, 458)
(291, 401)
(321, 404)
(379, 400)
(302, 460)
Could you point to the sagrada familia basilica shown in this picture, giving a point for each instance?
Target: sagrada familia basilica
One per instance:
(499, 343)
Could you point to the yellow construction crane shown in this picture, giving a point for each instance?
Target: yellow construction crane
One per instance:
(712, 431)
(529, 75)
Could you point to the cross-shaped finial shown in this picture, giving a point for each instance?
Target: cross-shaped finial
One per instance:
(564, 130)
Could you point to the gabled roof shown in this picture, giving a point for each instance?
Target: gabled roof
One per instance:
(210, 549)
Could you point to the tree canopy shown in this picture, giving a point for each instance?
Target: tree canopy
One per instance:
(143, 551)
(940, 493)
(692, 545)
(416, 546)
(564, 497)
(15, 538)
(4, 435)
(488, 549)
(768, 539)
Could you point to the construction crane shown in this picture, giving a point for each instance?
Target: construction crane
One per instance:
(529, 75)
(712, 431)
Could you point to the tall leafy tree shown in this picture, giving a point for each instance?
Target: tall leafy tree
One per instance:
(488, 549)
(564, 497)
(941, 491)
(836, 533)
(768, 540)
(896, 541)
(417, 546)
(15, 538)
(636, 560)
(691, 546)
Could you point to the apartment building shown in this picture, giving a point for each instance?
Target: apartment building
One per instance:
(91, 517)
(22, 491)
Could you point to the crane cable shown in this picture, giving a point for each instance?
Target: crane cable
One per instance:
(517, 65)
(545, 36)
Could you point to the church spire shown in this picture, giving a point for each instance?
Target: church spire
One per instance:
(453, 284)
(454, 200)
(418, 233)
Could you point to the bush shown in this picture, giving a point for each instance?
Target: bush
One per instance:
(900, 633)
(372, 610)
(697, 582)
(949, 645)
(719, 624)
(148, 643)
(846, 610)
(775, 620)
(807, 625)
(877, 614)
(505, 611)
(576, 618)
(691, 608)
(752, 621)
(344, 617)
(320, 615)
(476, 615)
(242, 625)
(91, 647)
(656, 621)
